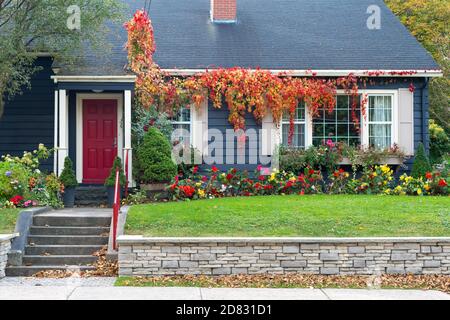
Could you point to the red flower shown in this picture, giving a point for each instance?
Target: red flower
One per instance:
(336, 174)
(16, 200)
(442, 183)
(302, 193)
(195, 170)
(229, 176)
(261, 178)
(268, 187)
(204, 178)
(214, 169)
(188, 191)
(429, 175)
(311, 171)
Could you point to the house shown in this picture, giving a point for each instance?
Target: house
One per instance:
(85, 112)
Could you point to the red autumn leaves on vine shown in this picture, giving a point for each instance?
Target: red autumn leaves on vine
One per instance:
(244, 91)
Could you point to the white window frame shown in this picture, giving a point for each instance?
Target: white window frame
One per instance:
(394, 117)
(306, 122)
(173, 123)
(364, 123)
(311, 120)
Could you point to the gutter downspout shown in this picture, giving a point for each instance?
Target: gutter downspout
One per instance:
(425, 140)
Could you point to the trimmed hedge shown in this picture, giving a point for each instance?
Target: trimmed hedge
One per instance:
(154, 157)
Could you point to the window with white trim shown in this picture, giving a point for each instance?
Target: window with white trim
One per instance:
(182, 120)
(299, 137)
(338, 125)
(380, 121)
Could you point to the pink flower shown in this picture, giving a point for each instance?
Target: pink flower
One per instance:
(330, 143)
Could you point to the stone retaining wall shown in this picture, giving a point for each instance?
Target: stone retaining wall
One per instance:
(225, 256)
(5, 246)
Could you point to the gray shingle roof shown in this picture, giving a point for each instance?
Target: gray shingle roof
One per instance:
(271, 34)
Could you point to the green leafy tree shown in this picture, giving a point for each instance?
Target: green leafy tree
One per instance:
(154, 157)
(421, 163)
(30, 27)
(111, 180)
(428, 21)
(67, 177)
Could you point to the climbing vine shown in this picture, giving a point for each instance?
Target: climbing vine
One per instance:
(244, 91)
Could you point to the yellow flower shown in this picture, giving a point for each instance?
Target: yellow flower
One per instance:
(385, 169)
(293, 179)
(198, 184)
(402, 178)
(201, 193)
(387, 191)
(272, 177)
(427, 187)
(419, 192)
(375, 174)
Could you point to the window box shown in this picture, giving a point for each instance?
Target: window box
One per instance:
(390, 160)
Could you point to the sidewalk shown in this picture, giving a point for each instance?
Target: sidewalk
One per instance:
(102, 289)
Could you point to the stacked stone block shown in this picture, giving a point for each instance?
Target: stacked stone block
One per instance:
(151, 257)
(5, 246)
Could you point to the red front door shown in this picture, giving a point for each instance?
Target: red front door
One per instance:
(99, 139)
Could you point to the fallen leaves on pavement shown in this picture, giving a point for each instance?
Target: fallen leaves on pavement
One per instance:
(426, 282)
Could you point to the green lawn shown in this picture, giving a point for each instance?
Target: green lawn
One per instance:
(291, 216)
(8, 220)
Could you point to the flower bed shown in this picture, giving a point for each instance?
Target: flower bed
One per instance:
(376, 180)
(23, 185)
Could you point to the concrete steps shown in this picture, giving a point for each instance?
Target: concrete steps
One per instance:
(63, 221)
(63, 231)
(67, 240)
(62, 250)
(29, 271)
(93, 196)
(72, 260)
(63, 241)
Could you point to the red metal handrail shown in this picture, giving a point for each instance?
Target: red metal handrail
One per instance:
(116, 208)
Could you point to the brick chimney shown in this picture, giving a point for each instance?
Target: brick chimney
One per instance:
(223, 11)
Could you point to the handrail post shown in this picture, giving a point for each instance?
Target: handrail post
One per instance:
(126, 172)
(116, 208)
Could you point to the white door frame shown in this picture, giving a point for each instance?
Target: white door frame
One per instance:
(79, 125)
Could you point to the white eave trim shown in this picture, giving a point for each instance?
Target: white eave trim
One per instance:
(130, 78)
(328, 73)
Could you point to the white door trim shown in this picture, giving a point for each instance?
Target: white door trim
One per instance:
(79, 125)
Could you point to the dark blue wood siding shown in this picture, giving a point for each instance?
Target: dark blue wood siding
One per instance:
(218, 120)
(29, 118)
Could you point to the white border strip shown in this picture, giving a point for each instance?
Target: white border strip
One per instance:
(129, 239)
(328, 73)
(57, 79)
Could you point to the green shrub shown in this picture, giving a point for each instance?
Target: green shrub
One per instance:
(421, 163)
(154, 158)
(439, 142)
(111, 180)
(67, 177)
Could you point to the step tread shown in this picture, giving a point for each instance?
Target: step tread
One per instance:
(60, 256)
(68, 227)
(28, 271)
(55, 267)
(66, 236)
(61, 249)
